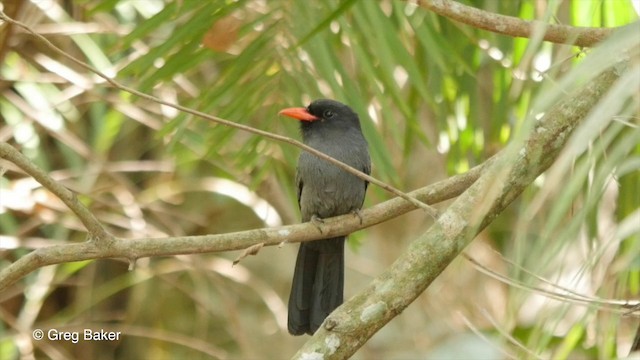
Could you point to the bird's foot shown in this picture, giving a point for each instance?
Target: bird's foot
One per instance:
(358, 213)
(317, 221)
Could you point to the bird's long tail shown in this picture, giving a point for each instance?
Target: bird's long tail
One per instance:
(318, 283)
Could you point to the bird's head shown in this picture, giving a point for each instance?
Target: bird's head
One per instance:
(324, 113)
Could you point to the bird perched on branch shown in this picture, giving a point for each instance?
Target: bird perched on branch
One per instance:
(324, 190)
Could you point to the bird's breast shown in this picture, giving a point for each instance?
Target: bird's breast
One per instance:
(327, 190)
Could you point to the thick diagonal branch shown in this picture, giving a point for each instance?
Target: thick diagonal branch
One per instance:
(353, 323)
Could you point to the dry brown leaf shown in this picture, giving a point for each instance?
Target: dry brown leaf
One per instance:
(222, 34)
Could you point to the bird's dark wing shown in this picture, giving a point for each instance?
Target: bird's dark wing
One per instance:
(367, 170)
(298, 187)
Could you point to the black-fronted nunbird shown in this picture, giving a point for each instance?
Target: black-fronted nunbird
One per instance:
(324, 190)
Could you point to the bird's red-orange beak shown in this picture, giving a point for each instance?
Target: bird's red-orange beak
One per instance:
(299, 113)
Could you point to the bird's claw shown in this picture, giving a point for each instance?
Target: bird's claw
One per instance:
(358, 213)
(317, 222)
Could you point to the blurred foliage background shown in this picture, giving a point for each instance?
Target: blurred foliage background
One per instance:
(435, 97)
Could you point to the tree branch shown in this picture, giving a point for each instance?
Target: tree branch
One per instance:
(95, 228)
(133, 249)
(353, 323)
(516, 27)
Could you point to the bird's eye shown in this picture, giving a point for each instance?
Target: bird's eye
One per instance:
(327, 114)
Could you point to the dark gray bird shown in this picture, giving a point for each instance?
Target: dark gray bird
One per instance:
(325, 190)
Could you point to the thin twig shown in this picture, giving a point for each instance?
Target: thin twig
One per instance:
(569, 296)
(430, 210)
